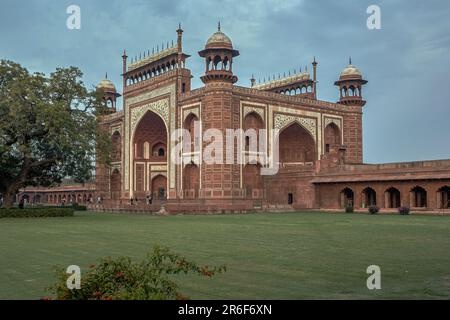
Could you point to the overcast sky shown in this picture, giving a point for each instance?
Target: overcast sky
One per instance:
(407, 62)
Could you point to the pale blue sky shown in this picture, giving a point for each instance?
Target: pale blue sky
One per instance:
(407, 63)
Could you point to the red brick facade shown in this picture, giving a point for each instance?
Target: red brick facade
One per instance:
(321, 152)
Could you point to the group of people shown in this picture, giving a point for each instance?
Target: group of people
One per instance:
(148, 200)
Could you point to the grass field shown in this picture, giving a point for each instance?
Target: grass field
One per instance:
(269, 256)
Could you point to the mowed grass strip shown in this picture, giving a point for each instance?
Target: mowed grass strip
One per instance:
(268, 256)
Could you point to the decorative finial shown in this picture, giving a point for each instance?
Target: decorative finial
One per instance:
(218, 26)
(314, 59)
(172, 42)
(179, 25)
(106, 75)
(350, 60)
(153, 50)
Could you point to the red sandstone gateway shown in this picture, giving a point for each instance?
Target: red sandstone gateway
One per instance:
(320, 143)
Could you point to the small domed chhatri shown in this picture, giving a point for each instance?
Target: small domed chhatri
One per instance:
(351, 71)
(106, 84)
(219, 40)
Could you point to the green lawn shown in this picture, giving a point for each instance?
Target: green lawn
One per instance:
(269, 256)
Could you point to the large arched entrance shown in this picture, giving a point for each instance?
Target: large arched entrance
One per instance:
(296, 145)
(149, 147)
(159, 187)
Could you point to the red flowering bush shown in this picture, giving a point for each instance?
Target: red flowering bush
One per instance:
(122, 278)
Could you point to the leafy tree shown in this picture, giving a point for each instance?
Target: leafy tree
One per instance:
(48, 128)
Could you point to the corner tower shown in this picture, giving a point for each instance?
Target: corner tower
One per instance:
(220, 179)
(350, 87)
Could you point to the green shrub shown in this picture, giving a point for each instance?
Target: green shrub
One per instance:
(349, 209)
(403, 210)
(374, 209)
(123, 279)
(36, 212)
(78, 207)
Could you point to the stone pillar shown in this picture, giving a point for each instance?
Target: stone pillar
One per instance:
(343, 203)
(439, 200)
(386, 200)
(411, 199)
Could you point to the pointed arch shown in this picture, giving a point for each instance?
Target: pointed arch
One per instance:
(332, 136)
(392, 198)
(347, 198)
(191, 180)
(159, 187)
(116, 140)
(418, 197)
(189, 124)
(296, 144)
(149, 130)
(369, 197)
(443, 197)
